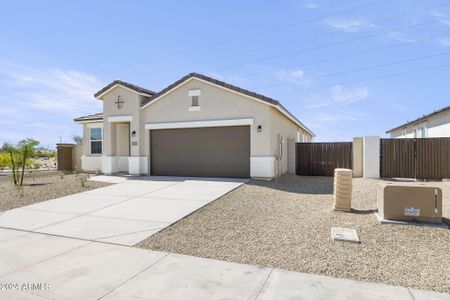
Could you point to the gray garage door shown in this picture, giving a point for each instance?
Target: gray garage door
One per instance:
(209, 152)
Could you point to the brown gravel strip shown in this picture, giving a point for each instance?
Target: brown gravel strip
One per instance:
(40, 187)
(286, 224)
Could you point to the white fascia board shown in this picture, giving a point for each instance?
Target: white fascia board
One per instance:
(199, 124)
(283, 111)
(95, 125)
(120, 119)
(127, 88)
(88, 121)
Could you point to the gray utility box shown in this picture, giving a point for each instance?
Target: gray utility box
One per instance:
(409, 202)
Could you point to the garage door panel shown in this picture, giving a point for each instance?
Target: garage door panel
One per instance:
(219, 152)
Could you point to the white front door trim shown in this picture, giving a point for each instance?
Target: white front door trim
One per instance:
(197, 124)
(120, 119)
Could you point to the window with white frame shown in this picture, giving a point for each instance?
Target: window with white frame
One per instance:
(194, 94)
(96, 140)
(195, 102)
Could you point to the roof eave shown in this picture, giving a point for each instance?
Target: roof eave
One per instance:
(270, 102)
(100, 96)
(88, 121)
(421, 119)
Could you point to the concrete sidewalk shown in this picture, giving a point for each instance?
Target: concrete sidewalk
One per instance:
(69, 268)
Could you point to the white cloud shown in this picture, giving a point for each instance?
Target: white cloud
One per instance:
(340, 115)
(442, 17)
(67, 92)
(443, 41)
(343, 95)
(403, 36)
(313, 4)
(41, 103)
(400, 107)
(348, 25)
(339, 96)
(297, 77)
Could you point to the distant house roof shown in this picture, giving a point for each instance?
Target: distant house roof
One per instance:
(89, 118)
(420, 119)
(133, 87)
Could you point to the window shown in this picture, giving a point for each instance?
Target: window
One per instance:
(96, 140)
(195, 102)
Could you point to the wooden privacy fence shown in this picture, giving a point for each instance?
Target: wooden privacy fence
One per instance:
(320, 159)
(421, 158)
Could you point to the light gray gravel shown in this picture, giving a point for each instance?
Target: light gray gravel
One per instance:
(40, 187)
(286, 224)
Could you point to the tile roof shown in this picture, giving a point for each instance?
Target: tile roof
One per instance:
(214, 81)
(94, 117)
(420, 118)
(125, 84)
(154, 95)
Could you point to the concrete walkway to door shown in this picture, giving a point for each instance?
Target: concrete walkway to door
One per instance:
(68, 268)
(125, 213)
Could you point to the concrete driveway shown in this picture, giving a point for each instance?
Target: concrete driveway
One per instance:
(125, 213)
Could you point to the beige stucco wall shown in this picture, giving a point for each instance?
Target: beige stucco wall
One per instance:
(76, 159)
(215, 104)
(288, 130)
(86, 139)
(131, 107)
(122, 139)
(357, 157)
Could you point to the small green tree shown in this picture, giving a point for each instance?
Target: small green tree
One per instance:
(4, 160)
(20, 157)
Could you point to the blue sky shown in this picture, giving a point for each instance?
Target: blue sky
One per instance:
(336, 65)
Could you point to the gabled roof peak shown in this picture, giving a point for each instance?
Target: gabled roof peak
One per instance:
(137, 89)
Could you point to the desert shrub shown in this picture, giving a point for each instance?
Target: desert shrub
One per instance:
(81, 177)
(5, 161)
(20, 157)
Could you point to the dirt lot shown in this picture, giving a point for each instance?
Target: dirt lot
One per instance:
(40, 187)
(286, 224)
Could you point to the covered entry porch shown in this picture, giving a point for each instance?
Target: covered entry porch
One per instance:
(120, 137)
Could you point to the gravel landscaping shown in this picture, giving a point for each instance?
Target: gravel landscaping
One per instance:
(286, 224)
(40, 187)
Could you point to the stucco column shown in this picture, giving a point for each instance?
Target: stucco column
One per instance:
(109, 159)
(358, 157)
(371, 156)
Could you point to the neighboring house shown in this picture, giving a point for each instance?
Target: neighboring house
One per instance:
(436, 124)
(197, 126)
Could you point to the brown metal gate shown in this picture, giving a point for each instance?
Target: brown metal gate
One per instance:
(320, 159)
(433, 158)
(397, 158)
(421, 158)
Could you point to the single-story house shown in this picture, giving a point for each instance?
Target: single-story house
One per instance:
(197, 126)
(435, 124)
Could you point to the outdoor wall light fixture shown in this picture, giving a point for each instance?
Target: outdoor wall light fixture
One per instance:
(259, 128)
(133, 134)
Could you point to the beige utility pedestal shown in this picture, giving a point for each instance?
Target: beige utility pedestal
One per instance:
(342, 190)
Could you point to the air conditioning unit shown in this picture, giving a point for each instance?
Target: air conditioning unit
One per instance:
(409, 202)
